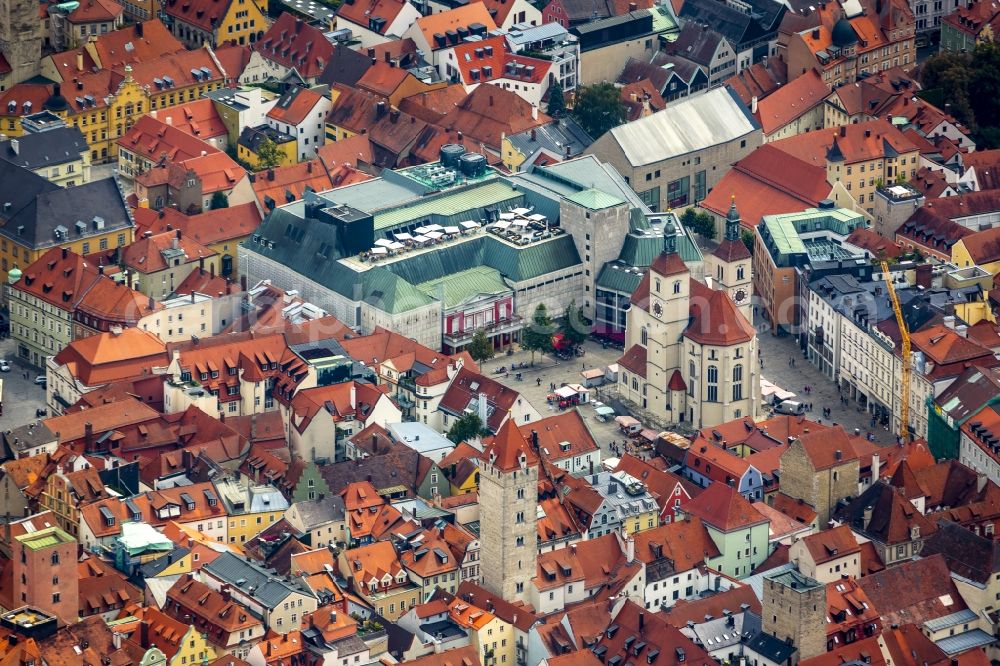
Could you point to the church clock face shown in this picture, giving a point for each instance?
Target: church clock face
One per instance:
(657, 309)
(740, 296)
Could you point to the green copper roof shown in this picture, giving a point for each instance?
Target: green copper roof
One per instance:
(459, 287)
(616, 277)
(781, 233)
(392, 293)
(50, 536)
(441, 209)
(595, 199)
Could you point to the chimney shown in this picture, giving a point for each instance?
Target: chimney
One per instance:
(843, 130)
(534, 440)
(753, 105)
(79, 61)
(88, 433)
(868, 133)
(65, 253)
(533, 134)
(629, 549)
(534, 111)
(15, 145)
(309, 167)
(387, 58)
(354, 395)
(270, 174)
(211, 270)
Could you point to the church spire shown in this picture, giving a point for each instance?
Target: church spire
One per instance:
(669, 238)
(733, 221)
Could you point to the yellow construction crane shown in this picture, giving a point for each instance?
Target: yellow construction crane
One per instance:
(904, 397)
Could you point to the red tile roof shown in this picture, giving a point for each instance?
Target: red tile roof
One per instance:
(698, 610)
(831, 544)
(492, 52)
(878, 245)
(58, 277)
(509, 448)
(634, 360)
(199, 118)
(293, 43)
(94, 11)
(724, 508)
(715, 320)
(914, 591)
(490, 111)
(861, 142)
(685, 542)
(460, 393)
(146, 255)
(565, 428)
(203, 14)
(152, 138)
(453, 19)
(800, 95)
(211, 226)
(208, 608)
(361, 12)
(115, 303)
(295, 105)
(178, 66)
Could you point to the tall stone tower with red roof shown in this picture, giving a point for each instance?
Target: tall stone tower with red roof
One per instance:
(508, 500)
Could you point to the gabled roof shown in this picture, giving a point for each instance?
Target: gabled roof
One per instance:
(361, 12)
(150, 253)
(111, 301)
(42, 214)
(293, 43)
(210, 607)
(714, 605)
(489, 111)
(199, 118)
(44, 149)
(723, 508)
(913, 591)
(831, 544)
(453, 19)
(686, 543)
(59, 277)
(151, 138)
(697, 43)
(468, 385)
(563, 435)
(800, 95)
(204, 14)
(295, 105)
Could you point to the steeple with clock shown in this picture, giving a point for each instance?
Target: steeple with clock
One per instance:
(730, 265)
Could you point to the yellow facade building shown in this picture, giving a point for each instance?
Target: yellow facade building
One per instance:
(104, 105)
(211, 22)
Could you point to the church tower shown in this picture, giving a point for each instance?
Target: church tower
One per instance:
(508, 500)
(729, 265)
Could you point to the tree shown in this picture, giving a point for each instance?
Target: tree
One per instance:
(466, 427)
(747, 237)
(557, 102)
(268, 154)
(480, 349)
(598, 108)
(575, 327)
(967, 85)
(699, 222)
(219, 200)
(537, 337)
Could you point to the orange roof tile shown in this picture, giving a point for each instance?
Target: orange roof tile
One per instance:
(295, 105)
(290, 181)
(791, 101)
(361, 12)
(509, 450)
(152, 138)
(722, 507)
(198, 118)
(95, 11)
(453, 19)
(831, 544)
(146, 255)
(203, 14)
(58, 277)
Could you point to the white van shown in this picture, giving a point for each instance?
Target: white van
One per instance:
(791, 407)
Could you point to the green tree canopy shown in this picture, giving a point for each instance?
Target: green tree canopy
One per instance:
(537, 336)
(575, 327)
(219, 200)
(557, 101)
(466, 427)
(480, 349)
(700, 222)
(598, 108)
(967, 85)
(268, 154)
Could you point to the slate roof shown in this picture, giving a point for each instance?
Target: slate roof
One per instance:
(45, 149)
(267, 590)
(320, 511)
(39, 208)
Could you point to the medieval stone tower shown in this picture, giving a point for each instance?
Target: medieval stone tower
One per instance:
(794, 610)
(508, 499)
(19, 40)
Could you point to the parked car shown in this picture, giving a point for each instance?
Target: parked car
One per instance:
(40, 380)
(4, 365)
